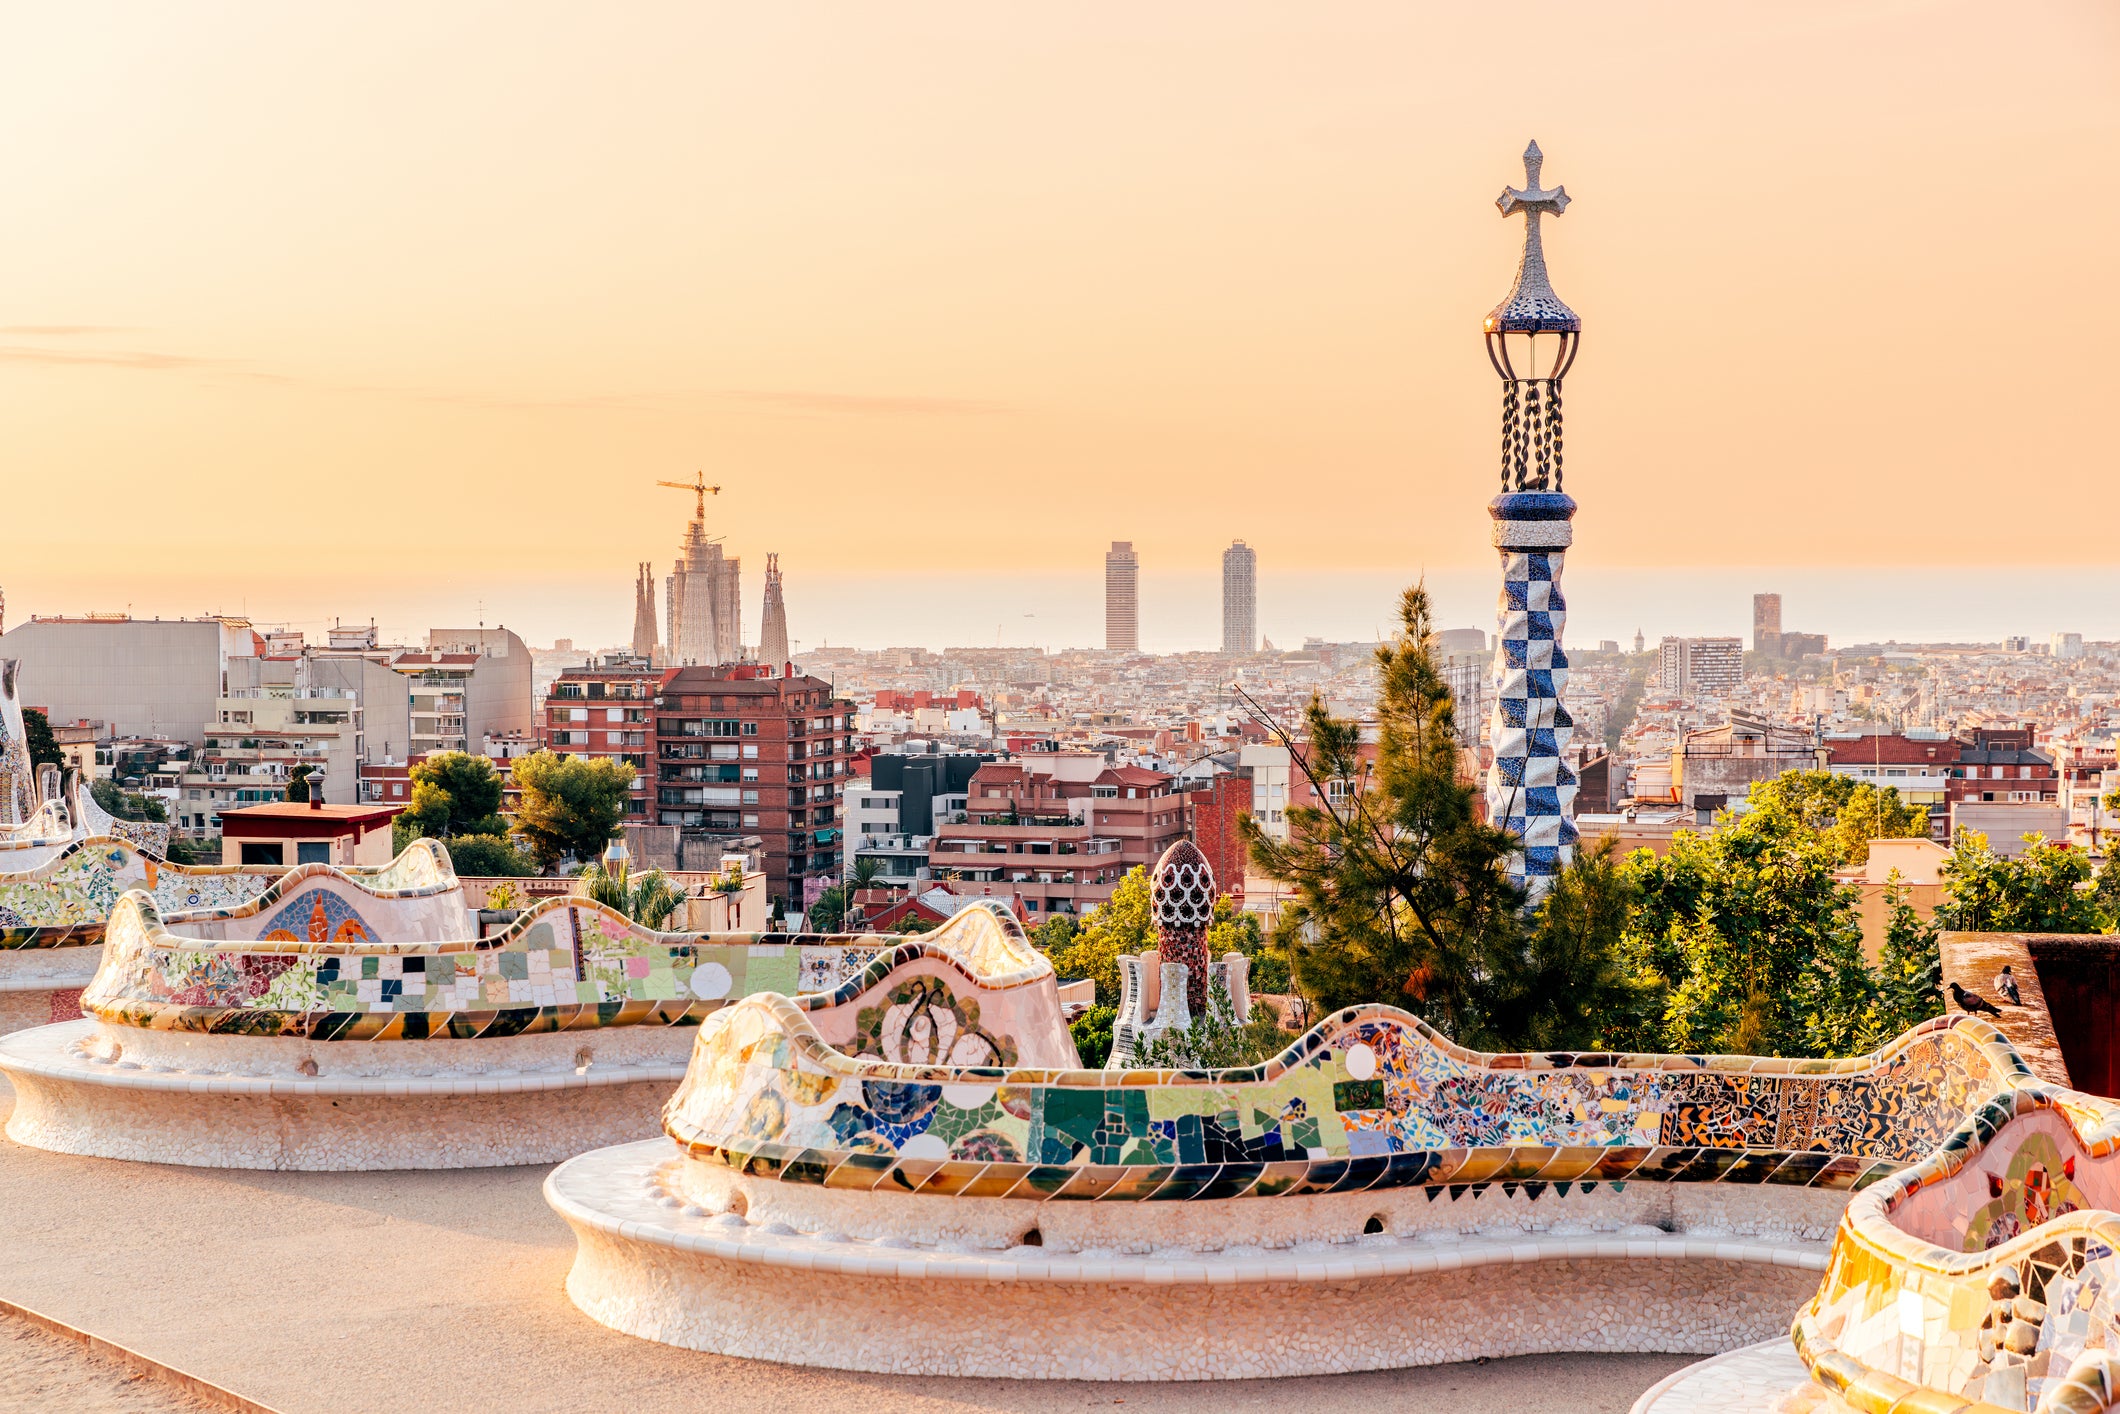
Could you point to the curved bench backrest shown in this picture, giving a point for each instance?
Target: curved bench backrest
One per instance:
(972, 993)
(567, 963)
(67, 900)
(1372, 1096)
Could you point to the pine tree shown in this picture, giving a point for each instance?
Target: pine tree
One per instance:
(1401, 891)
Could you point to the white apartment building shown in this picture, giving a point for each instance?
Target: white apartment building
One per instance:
(1272, 773)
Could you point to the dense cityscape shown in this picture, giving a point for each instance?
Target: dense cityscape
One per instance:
(908, 970)
(1669, 731)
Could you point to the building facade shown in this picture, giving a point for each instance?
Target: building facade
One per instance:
(646, 640)
(1058, 832)
(1766, 624)
(1240, 599)
(1122, 599)
(773, 646)
(705, 603)
(608, 711)
(142, 677)
(1701, 667)
(741, 751)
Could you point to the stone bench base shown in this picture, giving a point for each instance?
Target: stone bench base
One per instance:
(251, 1102)
(1767, 1378)
(652, 1264)
(39, 986)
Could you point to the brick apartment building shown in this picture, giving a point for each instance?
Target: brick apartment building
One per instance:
(607, 710)
(739, 751)
(1211, 816)
(1062, 829)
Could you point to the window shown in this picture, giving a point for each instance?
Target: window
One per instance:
(577, 714)
(614, 714)
(750, 822)
(750, 751)
(750, 773)
(750, 729)
(312, 852)
(750, 797)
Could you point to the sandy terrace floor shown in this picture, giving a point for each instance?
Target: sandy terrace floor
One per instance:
(317, 1293)
(54, 1375)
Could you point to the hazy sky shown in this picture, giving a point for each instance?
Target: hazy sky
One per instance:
(402, 309)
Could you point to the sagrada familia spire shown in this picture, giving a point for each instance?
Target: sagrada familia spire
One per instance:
(1530, 789)
(773, 623)
(644, 645)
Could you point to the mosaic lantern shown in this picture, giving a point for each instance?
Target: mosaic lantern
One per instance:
(1181, 898)
(1532, 339)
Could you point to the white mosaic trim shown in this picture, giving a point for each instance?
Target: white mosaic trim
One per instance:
(625, 1192)
(649, 1266)
(56, 1053)
(1533, 535)
(1754, 1380)
(48, 969)
(70, 1104)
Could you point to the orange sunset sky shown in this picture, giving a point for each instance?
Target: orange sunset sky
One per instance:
(401, 309)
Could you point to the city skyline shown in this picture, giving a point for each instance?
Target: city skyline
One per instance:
(1152, 297)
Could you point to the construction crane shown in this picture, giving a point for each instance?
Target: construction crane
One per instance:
(698, 486)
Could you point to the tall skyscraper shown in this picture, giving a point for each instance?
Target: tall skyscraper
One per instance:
(645, 645)
(773, 623)
(1530, 788)
(1122, 599)
(1240, 599)
(705, 594)
(1766, 623)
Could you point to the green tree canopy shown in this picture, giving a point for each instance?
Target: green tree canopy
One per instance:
(1401, 893)
(298, 783)
(455, 793)
(570, 804)
(2046, 889)
(1909, 969)
(123, 804)
(43, 746)
(649, 899)
(488, 857)
(1847, 812)
(829, 913)
(1121, 924)
(1755, 948)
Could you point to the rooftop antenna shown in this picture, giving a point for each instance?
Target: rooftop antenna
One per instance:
(698, 486)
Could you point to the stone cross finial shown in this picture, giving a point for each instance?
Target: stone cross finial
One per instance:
(1532, 307)
(1532, 199)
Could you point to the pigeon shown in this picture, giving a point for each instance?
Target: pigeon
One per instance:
(1973, 1001)
(2007, 985)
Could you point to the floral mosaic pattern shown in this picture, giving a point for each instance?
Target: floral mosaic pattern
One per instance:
(67, 900)
(1372, 1098)
(922, 1021)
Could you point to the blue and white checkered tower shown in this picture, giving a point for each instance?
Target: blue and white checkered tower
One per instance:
(1532, 339)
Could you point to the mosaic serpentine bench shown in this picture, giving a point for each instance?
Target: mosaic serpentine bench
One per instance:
(1372, 1197)
(52, 917)
(1985, 1276)
(322, 1046)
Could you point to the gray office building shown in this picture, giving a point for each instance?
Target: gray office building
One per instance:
(1122, 599)
(1240, 599)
